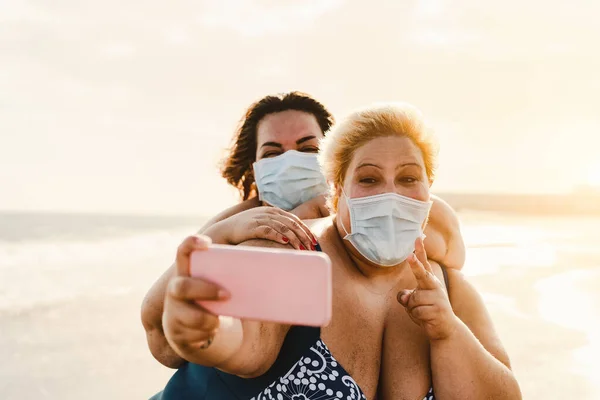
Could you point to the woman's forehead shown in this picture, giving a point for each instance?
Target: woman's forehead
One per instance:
(385, 151)
(287, 126)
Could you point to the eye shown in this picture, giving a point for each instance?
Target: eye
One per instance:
(271, 154)
(309, 149)
(367, 180)
(408, 179)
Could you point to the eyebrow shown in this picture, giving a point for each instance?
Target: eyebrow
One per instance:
(368, 165)
(377, 166)
(305, 139)
(272, 144)
(299, 141)
(409, 163)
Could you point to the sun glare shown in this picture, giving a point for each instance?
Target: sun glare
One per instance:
(593, 178)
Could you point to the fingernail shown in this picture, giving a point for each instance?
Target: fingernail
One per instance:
(286, 239)
(302, 247)
(223, 294)
(313, 248)
(315, 242)
(401, 298)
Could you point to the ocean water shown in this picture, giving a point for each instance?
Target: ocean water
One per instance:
(547, 269)
(539, 276)
(47, 258)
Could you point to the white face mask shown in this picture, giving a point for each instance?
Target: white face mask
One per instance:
(385, 226)
(288, 180)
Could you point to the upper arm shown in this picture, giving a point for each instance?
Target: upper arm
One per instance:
(151, 314)
(444, 242)
(470, 309)
(233, 210)
(261, 342)
(312, 209)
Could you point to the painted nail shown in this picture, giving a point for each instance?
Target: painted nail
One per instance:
(286, 239)
(302, 247)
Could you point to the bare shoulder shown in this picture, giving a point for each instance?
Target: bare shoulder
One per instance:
(319, 225)
(233, 210)
(444, 227)
(443, 215)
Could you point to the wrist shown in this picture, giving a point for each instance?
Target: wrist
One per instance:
(220, 232)
(455, 328)
(223, 345)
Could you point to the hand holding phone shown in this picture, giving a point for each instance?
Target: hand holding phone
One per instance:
(265, 284)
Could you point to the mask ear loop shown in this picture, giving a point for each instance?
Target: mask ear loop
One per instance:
(341, 221)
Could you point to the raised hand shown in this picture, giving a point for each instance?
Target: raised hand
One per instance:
(428, 305)
(269, 223)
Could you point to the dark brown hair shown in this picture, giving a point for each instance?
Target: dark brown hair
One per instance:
(237, 167)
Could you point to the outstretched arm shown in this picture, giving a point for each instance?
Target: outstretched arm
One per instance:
(153, 303)
(236, 346)
(268, 223)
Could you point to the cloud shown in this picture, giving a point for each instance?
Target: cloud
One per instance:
(22, 11)
(117, 80)
(253, 18)
(117, 50)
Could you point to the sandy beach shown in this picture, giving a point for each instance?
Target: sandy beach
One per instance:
(93, 346)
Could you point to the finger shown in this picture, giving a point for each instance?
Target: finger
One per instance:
(422, 298)
(424, 313)
(424, 278)
(422, 254)
(188, 289)
(301, 226)
(300, 230)
(192, 317)
(403, 297)
(290, 229)
(185, 336)
(286, 232)
(185, 249)
(268, 229)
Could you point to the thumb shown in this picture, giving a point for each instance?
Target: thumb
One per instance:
(403, 296)
(186, 248)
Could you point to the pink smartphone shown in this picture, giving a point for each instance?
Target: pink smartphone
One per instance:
(278, 285)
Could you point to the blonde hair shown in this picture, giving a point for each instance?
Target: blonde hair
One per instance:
(361, 126)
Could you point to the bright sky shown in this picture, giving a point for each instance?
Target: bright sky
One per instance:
(127, 106)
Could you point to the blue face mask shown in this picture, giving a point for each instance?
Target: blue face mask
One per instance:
(288, 180)
(385, 226)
